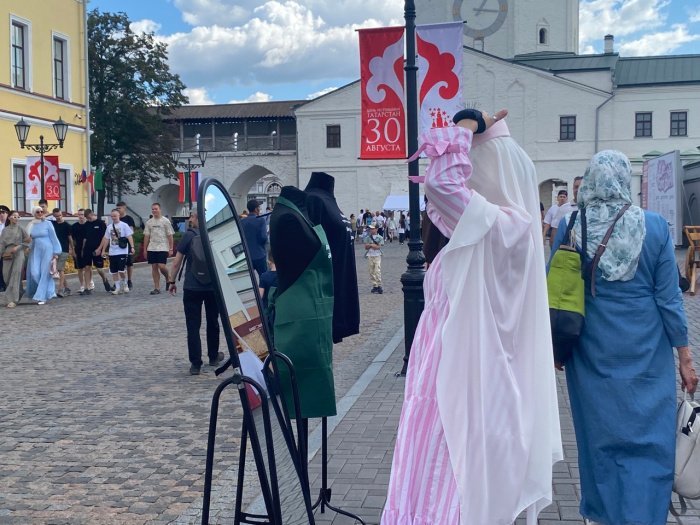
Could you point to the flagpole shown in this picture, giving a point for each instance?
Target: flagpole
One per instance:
(412, 279)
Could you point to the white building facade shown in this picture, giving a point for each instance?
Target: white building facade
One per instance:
(563, 107)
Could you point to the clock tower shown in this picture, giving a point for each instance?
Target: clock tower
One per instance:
(506, 28)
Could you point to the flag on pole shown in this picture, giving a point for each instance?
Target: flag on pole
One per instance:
(32, 181)
(99, 180)
(91, 182)
(383, 113)
(52, 182)
(181, 191)
(194, 185)
(439, 61)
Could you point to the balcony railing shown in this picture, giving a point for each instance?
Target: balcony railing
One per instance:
(249, 143)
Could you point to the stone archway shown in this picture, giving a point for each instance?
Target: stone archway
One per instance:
(242, 184)
(167, 195)
(548, 191)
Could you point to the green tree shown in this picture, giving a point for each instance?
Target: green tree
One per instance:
(131, 88)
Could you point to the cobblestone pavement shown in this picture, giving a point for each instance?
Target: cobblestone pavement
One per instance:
(100, 421)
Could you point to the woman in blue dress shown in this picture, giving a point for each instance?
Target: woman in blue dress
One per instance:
(621, 378)
(43, 248)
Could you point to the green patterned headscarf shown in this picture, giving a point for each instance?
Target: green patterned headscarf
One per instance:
(604, 191)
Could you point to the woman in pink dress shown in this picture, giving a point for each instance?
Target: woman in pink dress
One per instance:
(479, 428)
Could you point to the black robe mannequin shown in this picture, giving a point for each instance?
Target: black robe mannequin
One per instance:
(323, 209)
(292, 241)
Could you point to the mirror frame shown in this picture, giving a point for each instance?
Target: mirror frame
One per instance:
(267, 473)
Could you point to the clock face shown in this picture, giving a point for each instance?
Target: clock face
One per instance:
(481, 17)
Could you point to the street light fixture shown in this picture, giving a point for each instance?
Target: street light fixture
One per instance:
(60, 129)
(189, 165)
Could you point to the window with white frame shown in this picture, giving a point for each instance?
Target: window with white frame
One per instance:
(63, 178)
(20, 203)
(60, 67)
(19, 55)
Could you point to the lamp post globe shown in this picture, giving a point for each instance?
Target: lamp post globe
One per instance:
(60, 128)
(22, 130)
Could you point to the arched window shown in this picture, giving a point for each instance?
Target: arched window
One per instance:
(543, 36)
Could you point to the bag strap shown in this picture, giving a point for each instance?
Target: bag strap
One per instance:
(570, 227)
(603, 245)
(683, 505)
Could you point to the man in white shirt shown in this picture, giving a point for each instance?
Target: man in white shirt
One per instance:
(566, 208)
(158, 244)
(119, 250)
(552, 212)
(4, 212)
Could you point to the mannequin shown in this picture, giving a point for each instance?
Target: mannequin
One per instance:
(303, 304)
(323, 209)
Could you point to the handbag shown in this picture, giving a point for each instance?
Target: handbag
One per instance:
(565, 290)
(122, 242)
(568, 273)
(686, 478)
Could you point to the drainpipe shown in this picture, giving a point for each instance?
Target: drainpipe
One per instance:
(597, 120)
(87, 91)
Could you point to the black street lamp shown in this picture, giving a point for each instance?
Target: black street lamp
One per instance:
(412, 279)
(189, 165)
(60, 129)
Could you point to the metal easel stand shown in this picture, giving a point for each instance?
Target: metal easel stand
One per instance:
(267, 487)
(324, 496)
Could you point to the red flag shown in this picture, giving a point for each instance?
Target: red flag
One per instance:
(181, 181)
(52, 183)
(194, 185)
(383, 106)
(91, 181)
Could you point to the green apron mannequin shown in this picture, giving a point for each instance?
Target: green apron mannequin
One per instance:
(303, 308)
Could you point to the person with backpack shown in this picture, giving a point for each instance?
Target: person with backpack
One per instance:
(197, 290)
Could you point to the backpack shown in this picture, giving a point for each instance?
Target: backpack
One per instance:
(197, 260)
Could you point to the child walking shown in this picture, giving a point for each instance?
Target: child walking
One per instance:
(373, 245)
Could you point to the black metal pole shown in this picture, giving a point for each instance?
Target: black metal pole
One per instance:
(188, 193)
(41, 156)
(412, 279)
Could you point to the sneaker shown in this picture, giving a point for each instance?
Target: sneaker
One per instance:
(113, 287)
(66, 291)
(131, 286)
(126, 289)
(59, 294)
(82, 289)
(194, 370)
(219, 359)
(116, 292)
(11, 305)
(374, 290)
(108, 287)
(155, 291)
(41, 302)
(87, 292)
(91, 286)
(380, 290)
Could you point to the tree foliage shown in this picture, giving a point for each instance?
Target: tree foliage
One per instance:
(131, 87)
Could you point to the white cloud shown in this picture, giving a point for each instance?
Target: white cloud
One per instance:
(280, 41)
(145, 26)
(662, 43)
(258, 96)
(320, 93)
(198, 96)
(694, 16)
(618, 17)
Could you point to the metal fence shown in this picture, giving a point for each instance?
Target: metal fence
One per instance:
(241, 143)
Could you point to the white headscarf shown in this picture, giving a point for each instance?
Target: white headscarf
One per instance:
(34, 219)
(604, 191)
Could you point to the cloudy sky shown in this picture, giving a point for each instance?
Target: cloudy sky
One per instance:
(252, 50)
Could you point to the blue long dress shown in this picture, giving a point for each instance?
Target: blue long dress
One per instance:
(622, 386)
(40, 284)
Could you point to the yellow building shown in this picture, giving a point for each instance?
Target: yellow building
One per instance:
(43, 77)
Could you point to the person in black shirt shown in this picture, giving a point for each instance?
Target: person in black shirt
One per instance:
(78, 231)
(62, 229)
(128, 219)
(94, 232)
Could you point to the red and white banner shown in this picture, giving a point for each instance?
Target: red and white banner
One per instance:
(52, 184)
(194, 186)
(439, 60)
(383, 102)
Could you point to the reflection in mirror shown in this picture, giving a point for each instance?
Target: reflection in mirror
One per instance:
(242, 304)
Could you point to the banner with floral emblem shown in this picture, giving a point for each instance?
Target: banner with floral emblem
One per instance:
(383, 102)
(32, 183)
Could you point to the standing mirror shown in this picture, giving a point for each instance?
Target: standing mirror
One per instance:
(267, 431)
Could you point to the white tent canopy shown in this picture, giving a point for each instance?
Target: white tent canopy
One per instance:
(400, 203)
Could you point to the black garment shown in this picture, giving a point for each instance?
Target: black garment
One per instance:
(192, 301)
(128, 219)
(323, 209)
(260, 266)
(78, 232)
(267, 281)
(292, 241)
(94, 232)
(63, 233)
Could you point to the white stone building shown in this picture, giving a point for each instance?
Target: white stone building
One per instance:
(563, 107)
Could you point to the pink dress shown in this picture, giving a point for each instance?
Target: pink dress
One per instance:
(422, 487)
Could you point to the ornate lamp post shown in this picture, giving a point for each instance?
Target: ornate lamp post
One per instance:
(189, 166)
(412, 279)
(60, 129)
